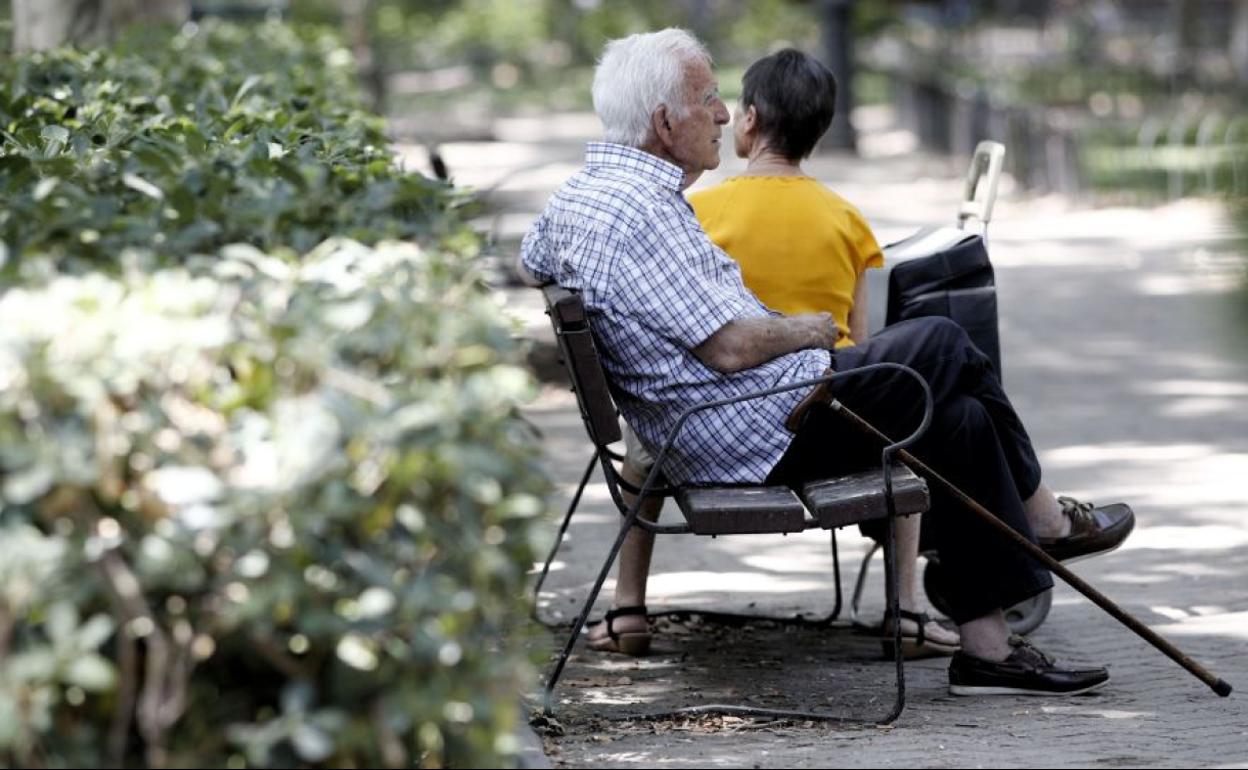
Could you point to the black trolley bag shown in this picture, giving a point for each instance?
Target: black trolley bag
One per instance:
(945, 271)
(955, 281)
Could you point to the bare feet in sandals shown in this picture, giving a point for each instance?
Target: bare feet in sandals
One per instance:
(921, 637)
(624, 630)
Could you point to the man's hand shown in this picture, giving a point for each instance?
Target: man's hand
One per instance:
(747, 342)
(823, 329)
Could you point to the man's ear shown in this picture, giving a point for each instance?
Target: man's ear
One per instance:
(661, 125)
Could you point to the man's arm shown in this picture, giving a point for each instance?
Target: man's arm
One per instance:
(744, 343)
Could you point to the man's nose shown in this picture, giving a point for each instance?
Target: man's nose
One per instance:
(721, 112)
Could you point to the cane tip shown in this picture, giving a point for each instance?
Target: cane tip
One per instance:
(1222, 687)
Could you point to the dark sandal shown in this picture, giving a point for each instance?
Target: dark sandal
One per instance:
(916, 645)
(635, 643)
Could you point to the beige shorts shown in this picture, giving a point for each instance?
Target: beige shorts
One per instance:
(635, 452)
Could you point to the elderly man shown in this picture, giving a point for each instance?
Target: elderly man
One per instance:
(676, 327)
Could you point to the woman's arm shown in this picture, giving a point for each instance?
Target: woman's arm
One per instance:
(858, 312)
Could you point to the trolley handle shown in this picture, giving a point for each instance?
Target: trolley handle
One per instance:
(980, 191)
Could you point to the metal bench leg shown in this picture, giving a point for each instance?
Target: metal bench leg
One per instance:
(894, 605)
(836, 577)
(563, 528)
(861, 584)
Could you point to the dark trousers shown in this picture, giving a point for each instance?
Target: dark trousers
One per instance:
(975, 440)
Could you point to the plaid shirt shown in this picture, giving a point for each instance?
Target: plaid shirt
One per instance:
(621, 233)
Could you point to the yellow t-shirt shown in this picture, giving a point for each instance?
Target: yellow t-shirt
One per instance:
(801, 246)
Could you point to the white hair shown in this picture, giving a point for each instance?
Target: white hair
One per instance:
(638, 73)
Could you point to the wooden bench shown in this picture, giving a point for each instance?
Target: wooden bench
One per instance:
(883, 493)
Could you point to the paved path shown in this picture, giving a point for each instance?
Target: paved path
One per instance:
(1122, 352)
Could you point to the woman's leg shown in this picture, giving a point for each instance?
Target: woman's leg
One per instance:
(908, 580)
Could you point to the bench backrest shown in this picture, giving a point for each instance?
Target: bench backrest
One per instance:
(580, 357)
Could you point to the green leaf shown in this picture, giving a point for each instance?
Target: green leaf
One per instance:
(26, 485)
(195, 142)
(290, 173)
(311, 743)
(55, 138)
(95, 632)
(139, 184)
(45, 187)
(91, 672)
(61, 623)
(234, 128)
(156, 161)
(37, 664)
(251, 82)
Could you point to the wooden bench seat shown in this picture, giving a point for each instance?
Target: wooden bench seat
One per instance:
(839, 502)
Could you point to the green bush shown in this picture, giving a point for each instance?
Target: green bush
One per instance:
(264, 514)
(179, 143)
(263, 502)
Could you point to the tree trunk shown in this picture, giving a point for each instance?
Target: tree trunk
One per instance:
(42, 24)
(149, 11)
(1239, 41)
(838, 54)
(1183, 33)
(358, 26)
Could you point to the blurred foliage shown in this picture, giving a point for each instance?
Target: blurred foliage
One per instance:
(1167, 157)
(1238, 206)
(180, 143)
(538, 53)
(258, 507)
(1151, 117)
(545, 34)
(271, 512)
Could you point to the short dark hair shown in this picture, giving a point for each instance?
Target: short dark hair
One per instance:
(794, 96)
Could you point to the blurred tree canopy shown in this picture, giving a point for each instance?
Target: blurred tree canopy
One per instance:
(544, 34)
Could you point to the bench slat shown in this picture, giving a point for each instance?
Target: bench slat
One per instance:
(859, 497)
(741, 510)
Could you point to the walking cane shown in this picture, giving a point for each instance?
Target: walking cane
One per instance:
(1219, 686)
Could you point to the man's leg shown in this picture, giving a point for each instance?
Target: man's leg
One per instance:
(1045, 513)
(1065, 528)
(962, 443)
(986, 573)
(986, 637)
(962, 446)
(942, 353)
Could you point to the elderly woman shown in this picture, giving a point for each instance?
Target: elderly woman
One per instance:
(803, 248)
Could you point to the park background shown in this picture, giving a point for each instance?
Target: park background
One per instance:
(279, 438)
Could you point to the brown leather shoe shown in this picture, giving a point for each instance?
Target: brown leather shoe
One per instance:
(1093, 530)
